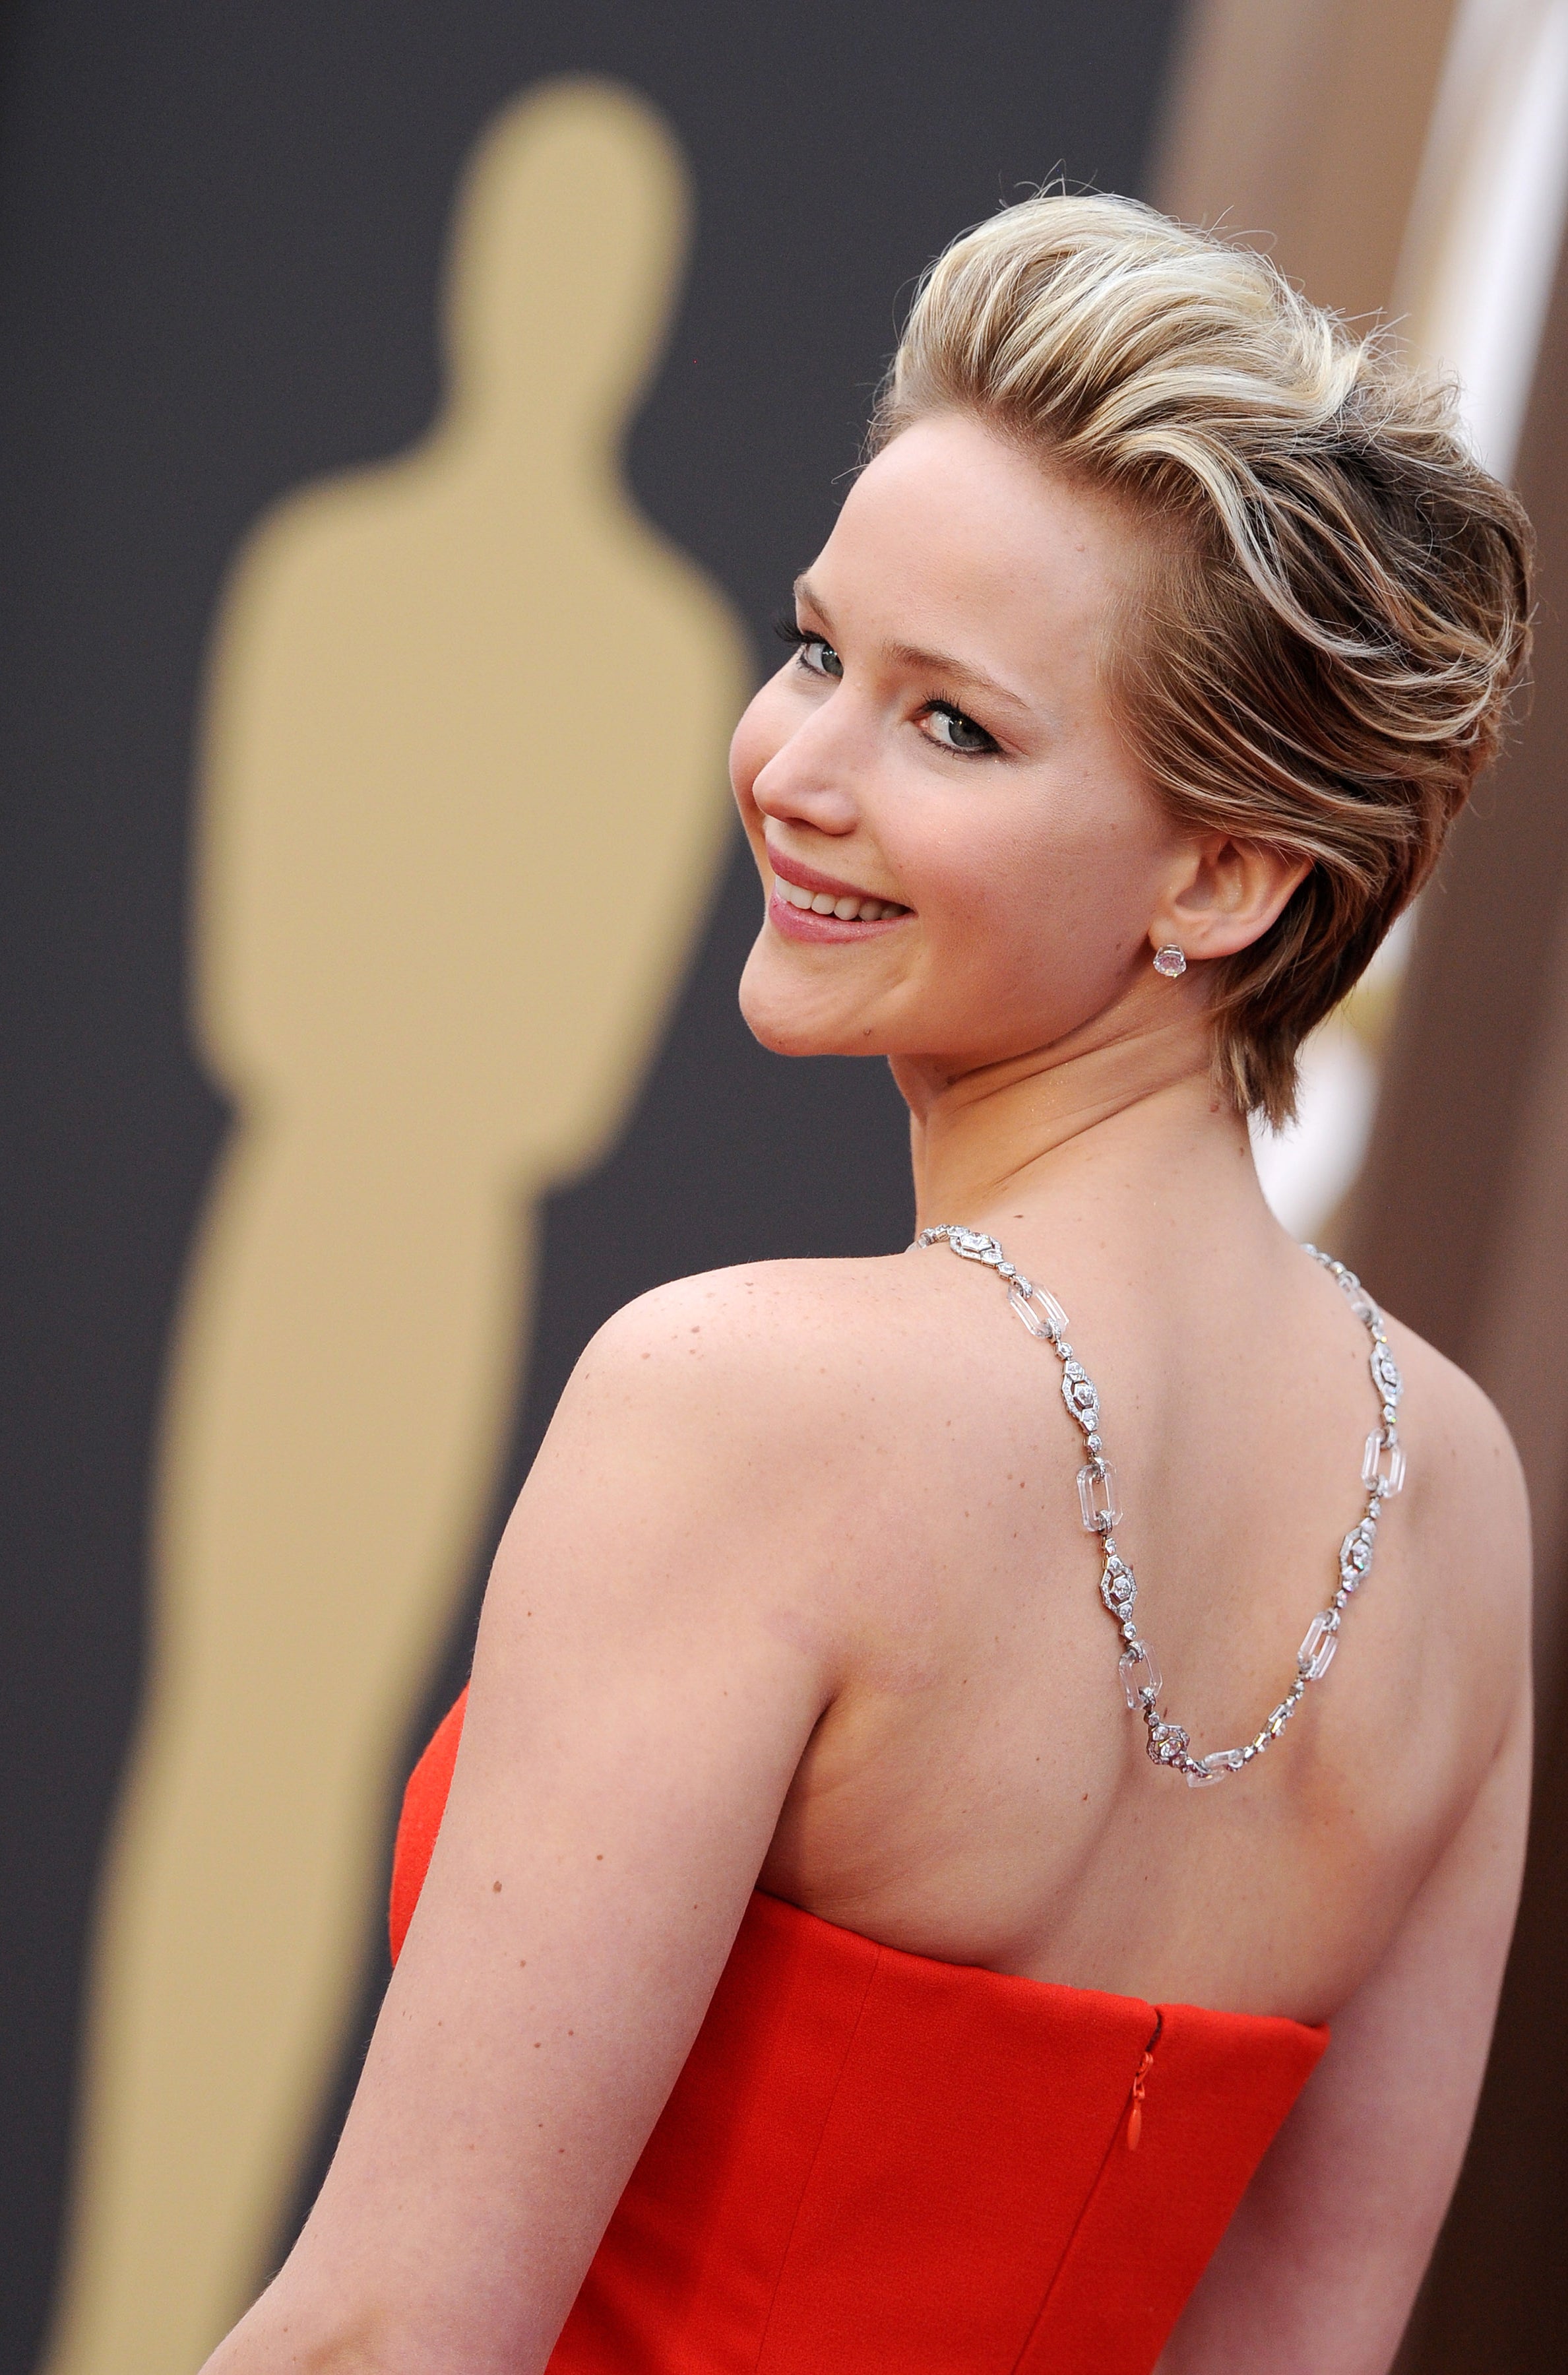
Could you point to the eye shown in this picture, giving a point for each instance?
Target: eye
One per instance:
(813, 652)
(818, 655)
(946, 725)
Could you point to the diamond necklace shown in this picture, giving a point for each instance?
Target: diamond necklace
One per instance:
(1383, 1473)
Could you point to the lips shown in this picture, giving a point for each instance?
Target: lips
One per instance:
(805, 901)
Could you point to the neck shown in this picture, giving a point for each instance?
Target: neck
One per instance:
(1136, 1117)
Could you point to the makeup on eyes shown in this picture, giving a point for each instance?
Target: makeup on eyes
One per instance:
(936, 704)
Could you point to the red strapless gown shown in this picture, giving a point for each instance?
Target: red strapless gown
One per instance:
(873, 2164)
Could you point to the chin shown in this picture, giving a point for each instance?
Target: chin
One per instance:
(790, 1017)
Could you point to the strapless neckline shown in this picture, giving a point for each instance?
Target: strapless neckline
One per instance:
(426, 1800)
(875, 2163)
(1047, 1987)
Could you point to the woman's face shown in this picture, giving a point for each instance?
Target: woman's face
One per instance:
(939, 744)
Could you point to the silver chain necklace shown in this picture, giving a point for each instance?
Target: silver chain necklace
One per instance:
(1383, 1473)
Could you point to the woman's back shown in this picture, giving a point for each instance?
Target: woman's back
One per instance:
(978, 1791)
(893, 1452)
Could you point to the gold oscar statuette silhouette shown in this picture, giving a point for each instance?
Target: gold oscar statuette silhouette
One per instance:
(461, 803)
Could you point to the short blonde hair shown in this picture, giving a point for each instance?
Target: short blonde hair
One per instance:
(1338, 599)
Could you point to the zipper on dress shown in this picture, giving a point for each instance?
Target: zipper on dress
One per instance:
(1135, 2114)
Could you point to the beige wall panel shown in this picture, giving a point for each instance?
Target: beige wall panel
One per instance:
(1461, 1219)
(1460, 1216)
(461, 803)
(1302, 123)
(1524, 1300)
(1307, 120)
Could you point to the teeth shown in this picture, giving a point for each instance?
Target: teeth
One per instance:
(852, 907)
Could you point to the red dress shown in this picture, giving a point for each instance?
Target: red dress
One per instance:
(874, 2164)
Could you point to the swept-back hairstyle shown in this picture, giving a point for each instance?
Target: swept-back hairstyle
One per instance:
(1336, 596)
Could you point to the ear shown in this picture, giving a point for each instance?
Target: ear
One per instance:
(1225, 895)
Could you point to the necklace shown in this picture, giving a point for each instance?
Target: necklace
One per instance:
(1383, 1473)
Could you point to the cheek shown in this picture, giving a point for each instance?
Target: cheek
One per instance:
(1041, 908)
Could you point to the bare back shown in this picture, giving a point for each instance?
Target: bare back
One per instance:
(977, 1790)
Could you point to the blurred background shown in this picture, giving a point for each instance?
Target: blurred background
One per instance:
(410, 419)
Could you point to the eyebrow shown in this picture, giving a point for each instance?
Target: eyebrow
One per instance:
(941, 664)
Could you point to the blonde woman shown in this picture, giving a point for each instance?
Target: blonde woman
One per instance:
(978, 1845)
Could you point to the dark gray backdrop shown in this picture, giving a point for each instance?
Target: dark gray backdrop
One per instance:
(220, 230)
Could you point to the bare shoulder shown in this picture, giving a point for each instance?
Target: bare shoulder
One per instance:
(1467, 1453)
(761, 1342)
(1468, 1508)
(770, 1395)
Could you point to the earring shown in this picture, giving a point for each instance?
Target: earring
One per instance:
(1170, 962)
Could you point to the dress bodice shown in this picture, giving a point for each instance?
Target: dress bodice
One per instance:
(876, 2164)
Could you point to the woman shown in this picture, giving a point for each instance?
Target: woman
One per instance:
(1130, 699)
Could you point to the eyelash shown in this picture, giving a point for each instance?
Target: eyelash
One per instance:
(789, 631)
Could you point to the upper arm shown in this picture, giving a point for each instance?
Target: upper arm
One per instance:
(1319, 2268)
(640, 1697)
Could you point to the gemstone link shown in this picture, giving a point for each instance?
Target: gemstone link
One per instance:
(1097, 1497)
(1118, 1587)
(1034, 1321)
(1317, 1652)
(1355, 1552)
(1079, 1395)
(1139, 1673)
(1388, 1479)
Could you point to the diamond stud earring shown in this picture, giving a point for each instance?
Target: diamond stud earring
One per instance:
(1170, 962)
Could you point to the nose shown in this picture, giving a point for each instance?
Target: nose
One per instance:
(809, 779)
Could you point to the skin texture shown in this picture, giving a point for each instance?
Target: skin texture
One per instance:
(797, 1586)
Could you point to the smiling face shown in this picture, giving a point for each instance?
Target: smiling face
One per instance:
(961, 857)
